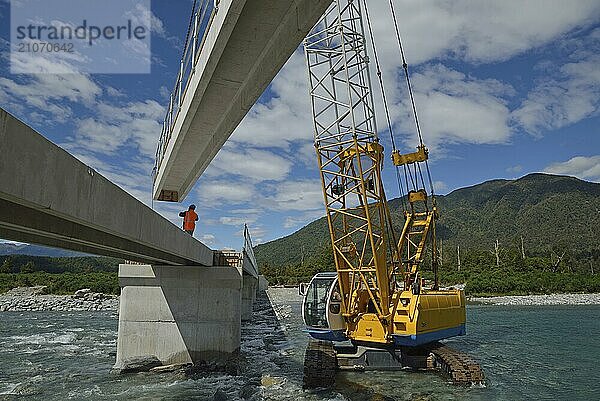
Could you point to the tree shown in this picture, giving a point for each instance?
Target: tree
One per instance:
(6, 266)
(29, 267)
(497, 252)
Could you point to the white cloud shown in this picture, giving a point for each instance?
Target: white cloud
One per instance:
(142, 16)
(303, 219)
(208, 239)
(257, 234)
(50, 93)
(255, 164)
(515, 169)
(215, 193)
(236, 220)
(557, 102)
(135, 123)
(299, 195)
(483, 31)
(454, 107)
(585, 168)
(286, 117)
(440, 187)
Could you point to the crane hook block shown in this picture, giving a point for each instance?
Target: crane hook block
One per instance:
(421, 155)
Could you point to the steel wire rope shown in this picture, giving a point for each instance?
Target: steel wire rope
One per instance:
(389, 228)
(385, 103)
(410, 91)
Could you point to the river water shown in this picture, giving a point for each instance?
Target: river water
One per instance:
(527, 353)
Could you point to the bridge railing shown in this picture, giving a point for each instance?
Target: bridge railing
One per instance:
(203, 18)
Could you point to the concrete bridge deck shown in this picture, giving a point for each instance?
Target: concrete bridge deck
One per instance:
(49, 197)
(245, 45)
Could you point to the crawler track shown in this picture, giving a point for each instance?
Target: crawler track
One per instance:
(457, 365)
(319, 364)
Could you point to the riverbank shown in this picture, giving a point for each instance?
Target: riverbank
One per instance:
(550, 299)
(32, 299)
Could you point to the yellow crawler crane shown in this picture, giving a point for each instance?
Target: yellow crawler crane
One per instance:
(376, 304)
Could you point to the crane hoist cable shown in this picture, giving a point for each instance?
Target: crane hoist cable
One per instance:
(385, 103)
(410, 91)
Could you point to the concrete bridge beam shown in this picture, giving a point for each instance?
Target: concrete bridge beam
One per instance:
(49, 197)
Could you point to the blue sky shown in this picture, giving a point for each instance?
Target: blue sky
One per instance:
(502, 89)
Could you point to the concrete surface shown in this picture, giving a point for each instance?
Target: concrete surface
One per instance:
(247, 44)
(249, 289)
(263, 283)
(183, 314)
(249, 265)
(49, 197)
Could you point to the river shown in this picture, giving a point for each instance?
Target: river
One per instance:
(527, 353)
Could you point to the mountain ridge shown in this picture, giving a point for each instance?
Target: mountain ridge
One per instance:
(550, 212)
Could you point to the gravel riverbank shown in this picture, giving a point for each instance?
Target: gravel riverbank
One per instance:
(551, 299)
(33, 299)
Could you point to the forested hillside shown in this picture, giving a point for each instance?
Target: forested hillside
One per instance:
(543, 223)
(62, 275)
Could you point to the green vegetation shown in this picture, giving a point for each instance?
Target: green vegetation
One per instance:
(547, 228)
(64, 283)
(63, 275)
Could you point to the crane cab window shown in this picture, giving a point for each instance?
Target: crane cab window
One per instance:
(315, 303)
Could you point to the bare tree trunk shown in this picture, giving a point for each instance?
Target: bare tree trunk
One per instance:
(458, 255)
(441, 256)
(558, 260)
(591, 266)
(497, 252)
(522, 248)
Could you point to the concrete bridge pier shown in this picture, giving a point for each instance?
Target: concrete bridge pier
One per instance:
(180, 314)
(249, 291)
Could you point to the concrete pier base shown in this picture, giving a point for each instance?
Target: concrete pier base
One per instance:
(263, 283)
(180, 314)
(249, 289)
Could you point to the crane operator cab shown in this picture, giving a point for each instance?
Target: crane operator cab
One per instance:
(321, 307)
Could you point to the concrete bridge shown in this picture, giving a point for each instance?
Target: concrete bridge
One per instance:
(182, 302)
(223, 73)
(169, 298)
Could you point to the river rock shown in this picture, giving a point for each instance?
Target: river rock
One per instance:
(220, 396)
(26, 291)
(82, 293)
(170, 368)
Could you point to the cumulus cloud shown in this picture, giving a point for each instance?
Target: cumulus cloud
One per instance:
(50, 94)
(583, 167)
(208, 239)
(564, 99)
(225, 191)
(254, 164)
(283, 119)
(454, 107)
(236, 220)
(515, 169)
(479, 32)
(295, 195)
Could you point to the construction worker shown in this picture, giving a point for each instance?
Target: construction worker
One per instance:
(189, 219)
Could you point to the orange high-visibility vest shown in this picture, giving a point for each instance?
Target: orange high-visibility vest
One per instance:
(189, 221)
